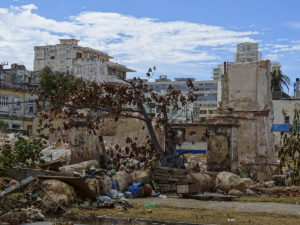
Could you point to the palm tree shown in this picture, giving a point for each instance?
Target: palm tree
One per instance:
(278, 80)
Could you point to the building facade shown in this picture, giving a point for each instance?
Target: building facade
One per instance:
(204, 106)
(247, 52)
(17, 102)
(85, 62)
(284, 116)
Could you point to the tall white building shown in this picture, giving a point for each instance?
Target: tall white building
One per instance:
(247, 52)
(205, 105)
(85, 62)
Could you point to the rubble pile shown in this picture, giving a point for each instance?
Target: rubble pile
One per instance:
(58, 185)
(121, 159)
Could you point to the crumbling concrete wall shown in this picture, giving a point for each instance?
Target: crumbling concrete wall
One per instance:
(134, 129)
(83, 142)
(246, 98)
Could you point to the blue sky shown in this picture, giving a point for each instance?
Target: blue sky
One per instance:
(182, 38)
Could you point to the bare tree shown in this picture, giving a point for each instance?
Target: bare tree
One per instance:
(87, 103)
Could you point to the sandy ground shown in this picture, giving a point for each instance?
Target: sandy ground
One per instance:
(262, 207)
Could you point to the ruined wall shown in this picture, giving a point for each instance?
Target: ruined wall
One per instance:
(84, 144)
(133, 128)
(246, 98)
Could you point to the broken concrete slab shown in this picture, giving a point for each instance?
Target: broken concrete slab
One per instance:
(76, 182)
(227, 181)
(78, 167)
(58, 193)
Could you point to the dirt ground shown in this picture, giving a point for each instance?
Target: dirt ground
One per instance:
(196, 215)
(262, 207)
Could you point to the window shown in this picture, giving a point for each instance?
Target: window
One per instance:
(286, 119)
(78, 55)
(69, 55)
(16, 126)
(30, 106)
(3, 100)
(111, 71)
(52, 55)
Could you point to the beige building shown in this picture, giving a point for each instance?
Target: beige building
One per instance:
(85, 62)
(17, 103)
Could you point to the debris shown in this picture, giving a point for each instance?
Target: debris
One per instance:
(211, 196)
(78, 167)
(94, 184)
(166, 179)
(248, 182)
(141, 176)
(128, 194)
(280, 180)
(24, 215)
(115, 203)
(227, 181)
(77, 182)
(162, 196)
(146, 190)
(106, 184)
(195, 164)
(150, 205)
(123, 180)
(269, 184)
(16, 185)
(249, 192)
(135, 188)
(235, 192)
(201, 183)
(54, 158)
(57, 193)
(112, 193)
(102, 199)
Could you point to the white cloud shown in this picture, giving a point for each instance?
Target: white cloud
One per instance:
(133, 41)
(272, 57)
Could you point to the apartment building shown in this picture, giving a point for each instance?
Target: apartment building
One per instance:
(17, 101)
(85, 62)
(193, 112)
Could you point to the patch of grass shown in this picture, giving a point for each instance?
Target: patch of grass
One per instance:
(196, 215)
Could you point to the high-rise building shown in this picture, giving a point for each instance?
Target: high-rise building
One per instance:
(205, 105)
(247, 52)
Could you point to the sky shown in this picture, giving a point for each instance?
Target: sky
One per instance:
(182, 38)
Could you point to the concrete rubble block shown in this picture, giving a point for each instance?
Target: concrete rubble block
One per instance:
(248, 182)
(235, 192)
(269, 184)
(228, 181)
(123, 180)
(105, 184)
(58, 193)
(11, 217)
(201, 183)
(141, 176)
(51, 154)
(94, 184)
(78, 167)
(25, 215)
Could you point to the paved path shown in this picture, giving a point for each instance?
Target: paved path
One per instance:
(265, 207)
